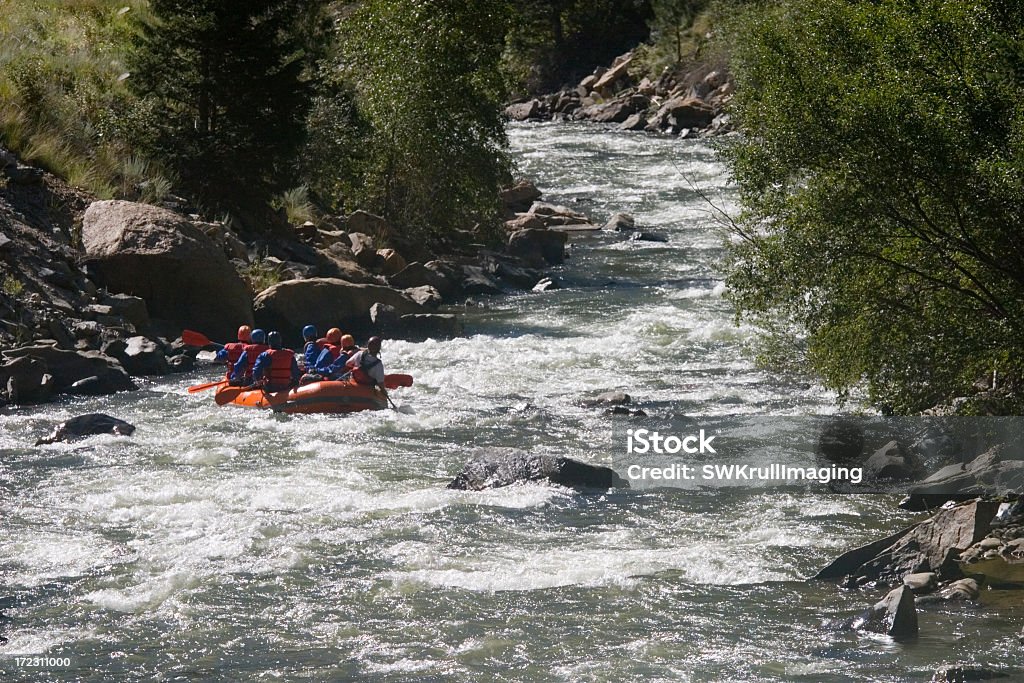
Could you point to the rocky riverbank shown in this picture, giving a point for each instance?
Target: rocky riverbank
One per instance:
(686, 101)
(97, 291)
(972, 542)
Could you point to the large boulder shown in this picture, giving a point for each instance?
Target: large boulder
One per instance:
(417, 274)
(524, 111)
(160, 256)
(616, 76)
(101, 374)
(25, 380)
(930, 546)
(683, 112)
(520, 196)
(325, 303)
(994, 472)
(538, 247)
(139, 356)
(505, 467)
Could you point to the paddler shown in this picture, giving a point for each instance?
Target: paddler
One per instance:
(339, 368)
(329, 354)
(242, 374)
(276, 368)
(313, 347)
(366, 366)
(231, 352)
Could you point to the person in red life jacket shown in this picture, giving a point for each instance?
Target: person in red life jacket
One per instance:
(348, 345)
(230, 353)
(313, 347)
(241, 375)
(276, 368)
(331, 351)
(366, 366)
(339, 368)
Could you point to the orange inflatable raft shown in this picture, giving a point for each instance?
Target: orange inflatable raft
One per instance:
(316, 397)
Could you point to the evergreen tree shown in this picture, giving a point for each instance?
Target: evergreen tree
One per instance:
(226, 79)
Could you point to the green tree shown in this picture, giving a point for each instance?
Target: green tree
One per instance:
(428, 87)
(227, 82)
(882, 178)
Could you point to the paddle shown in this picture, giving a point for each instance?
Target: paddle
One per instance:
(203, 387)
(394, 381)
(226, 395)
(193, 338)
(405, 410)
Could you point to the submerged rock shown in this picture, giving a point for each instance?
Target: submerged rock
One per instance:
(87, 425)
(963, 674)
(504, 468)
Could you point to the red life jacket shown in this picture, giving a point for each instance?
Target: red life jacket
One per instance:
(252, 352)
(234, 350)
(335, 350)
(280, 374)
(359, 370)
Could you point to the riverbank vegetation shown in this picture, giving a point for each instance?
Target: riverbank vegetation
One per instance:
(880, 165)
(882, 179)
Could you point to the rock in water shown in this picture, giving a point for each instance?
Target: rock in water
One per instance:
(962, 674)
(894, 615)
(494, 470)
(87, 425)
(930, 546)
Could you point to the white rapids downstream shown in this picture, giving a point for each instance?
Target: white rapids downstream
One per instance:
(232, 545)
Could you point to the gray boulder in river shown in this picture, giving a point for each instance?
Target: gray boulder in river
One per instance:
(505, 467)
(87, 425)
(894, 615)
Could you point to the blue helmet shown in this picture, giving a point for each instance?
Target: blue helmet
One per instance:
(274, 339)
(309, 333)
(258, 336)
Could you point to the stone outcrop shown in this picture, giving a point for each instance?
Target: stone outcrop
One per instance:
(74, 371)
(930, 546)
(686, 101)
(161, 257)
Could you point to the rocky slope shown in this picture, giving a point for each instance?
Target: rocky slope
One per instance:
(93, 292)
(686, 102)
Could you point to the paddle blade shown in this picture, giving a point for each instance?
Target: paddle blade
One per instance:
(203, 387)
(226, 395)
(396, 380)
(193, 338)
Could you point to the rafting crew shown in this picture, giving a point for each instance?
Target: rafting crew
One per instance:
(241, 375)
(276, 368)
(231, 352)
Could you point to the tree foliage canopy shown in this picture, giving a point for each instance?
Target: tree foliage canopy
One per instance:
(230, 97)
(882, 178)
(429, 88)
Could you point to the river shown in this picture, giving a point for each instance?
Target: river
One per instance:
(221, 544)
